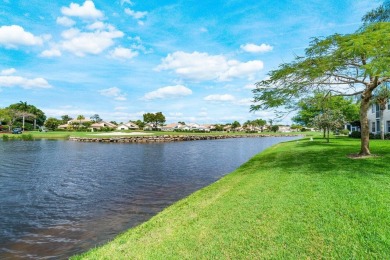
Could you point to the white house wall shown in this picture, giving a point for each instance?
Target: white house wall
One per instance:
(374, 120)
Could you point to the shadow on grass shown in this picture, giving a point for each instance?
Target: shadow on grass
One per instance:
(319, 157)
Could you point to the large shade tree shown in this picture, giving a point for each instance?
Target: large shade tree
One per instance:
(349, 65)
(25, 112)
(156, 119)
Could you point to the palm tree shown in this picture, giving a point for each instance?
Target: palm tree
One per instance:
(23, 107)
(381, 97)
(80, 118)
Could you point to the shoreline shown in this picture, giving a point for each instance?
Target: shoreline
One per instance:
(168, 138)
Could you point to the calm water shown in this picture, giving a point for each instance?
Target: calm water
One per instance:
(58, 198)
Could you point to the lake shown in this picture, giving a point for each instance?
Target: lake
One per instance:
(59, 198)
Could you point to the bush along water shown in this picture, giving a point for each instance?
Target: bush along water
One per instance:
(27, 137)
(24, 137)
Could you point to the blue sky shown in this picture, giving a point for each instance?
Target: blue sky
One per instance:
(196, 61)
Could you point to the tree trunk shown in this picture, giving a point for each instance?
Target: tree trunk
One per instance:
(364, 127)
(382, 125)
(328, 134)
(324, 133)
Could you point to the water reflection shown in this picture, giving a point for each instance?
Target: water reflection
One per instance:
(58, 198)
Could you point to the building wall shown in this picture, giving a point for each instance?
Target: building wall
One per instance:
(374, 120)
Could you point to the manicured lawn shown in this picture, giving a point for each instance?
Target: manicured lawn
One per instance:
(296, 200)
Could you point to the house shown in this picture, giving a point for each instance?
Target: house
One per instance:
(102, 124)
(151, 127)
(284, 128)
(172, 127)
(74, 123)
(127, 126)
(374, 121)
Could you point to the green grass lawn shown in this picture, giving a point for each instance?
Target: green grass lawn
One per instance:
(296, 200)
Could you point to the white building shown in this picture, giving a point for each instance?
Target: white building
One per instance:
(374, 119)
(127, 126)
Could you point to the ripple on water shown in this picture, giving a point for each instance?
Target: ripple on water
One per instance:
(60, 198)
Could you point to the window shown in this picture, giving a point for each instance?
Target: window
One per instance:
(377, 110)
(378, 126)
(373, 108)
(388, 104)
(388, 126)
(373, 127)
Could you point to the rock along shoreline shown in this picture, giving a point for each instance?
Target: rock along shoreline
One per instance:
(166, 138)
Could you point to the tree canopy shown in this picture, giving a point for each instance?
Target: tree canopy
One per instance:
(380, 14)
(30, 111)
(310, 107)
(155, 118)
(349, 65)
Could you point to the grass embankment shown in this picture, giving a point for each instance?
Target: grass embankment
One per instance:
(299, 200)
(66, 134)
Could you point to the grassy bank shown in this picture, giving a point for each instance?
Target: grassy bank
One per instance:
(66, 134)
(295, 200)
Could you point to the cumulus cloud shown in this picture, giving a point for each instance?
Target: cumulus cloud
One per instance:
(65, 21)
(82, 43)
(17, 81)
(220, 97)
(51, 53)
(250, 86)
(97, 26)
(8, 72)
(126, 2)
(202, 66)
(123, 53)
(114, 92)
(85, 11)
(244, 102)
(14, 35)
(250, 47)
(168, 92)
(136, 15)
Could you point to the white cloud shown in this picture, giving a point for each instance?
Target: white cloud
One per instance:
(81, 43)
(97, 26)
(175, 114)
(219, 97)
(65, 21)
(123, 53)
(250, 86)
(120, 108)
(202, 66)
(244, 102)
(203, 29)
(250, 47)
(114, 92)
(135, 14)
(126, 2)
(17, 81)
(167, 92)
(51, 53)
(14, 35)
(8, 72)
(85, 11)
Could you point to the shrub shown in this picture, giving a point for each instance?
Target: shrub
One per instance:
(5, 137)
(355, 134)
(27, 137)
(344, 132)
